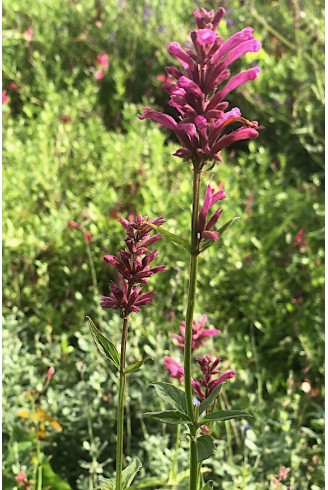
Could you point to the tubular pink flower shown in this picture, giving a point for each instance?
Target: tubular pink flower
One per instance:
(175, 369)
(199, 333)
(239, 80)
(205, 36)
(251, 46)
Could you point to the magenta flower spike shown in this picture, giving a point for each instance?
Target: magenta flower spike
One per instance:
(133, 266)
(199, 333)
(197, 95)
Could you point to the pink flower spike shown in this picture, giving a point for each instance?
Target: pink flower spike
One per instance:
(103, 60)
(205, 36)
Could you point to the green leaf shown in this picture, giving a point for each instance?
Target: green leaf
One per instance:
(106, 484)
(205, 447)
(210, 399)
(135, 366)
(169, 417)
(105, 347)
(208, 486)
(208, 243)
(150, 482)
(172, 395)
(225, 415)
(128, 475)
(50, 479)
(174, 238)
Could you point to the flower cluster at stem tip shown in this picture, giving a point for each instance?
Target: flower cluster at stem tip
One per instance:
(133, 266)
(196, 95)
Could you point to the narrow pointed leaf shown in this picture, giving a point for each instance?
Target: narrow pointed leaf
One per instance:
(173, 238)
(205, 447)
(169, 417)
(137, 365)
(210, 399)
(105, 347)
(106, 484)
(208, 243)
(225, 415)
(172, 395)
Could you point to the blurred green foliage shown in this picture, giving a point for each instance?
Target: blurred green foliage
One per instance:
(73, 149)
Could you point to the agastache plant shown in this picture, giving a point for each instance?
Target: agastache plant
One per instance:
(133, 267)
(202, 124)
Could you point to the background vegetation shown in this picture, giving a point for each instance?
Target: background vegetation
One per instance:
(73, 149)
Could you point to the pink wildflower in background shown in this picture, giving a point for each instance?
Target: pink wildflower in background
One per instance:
(300, 241)
(50, 373)
(197, 94)
(99, 75)
(28, 35)
(199, 333)
(103, 60)
(280, 477)
(5, 98)
(87, 237)
(72, 224)
(13, 86)
(21, 479)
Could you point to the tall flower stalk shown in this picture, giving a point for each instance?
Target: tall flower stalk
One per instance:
(133, 271)
(201, 126)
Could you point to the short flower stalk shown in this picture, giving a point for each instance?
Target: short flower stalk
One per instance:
(133, 271)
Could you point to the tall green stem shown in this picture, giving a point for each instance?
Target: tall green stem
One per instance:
(193, 265)
(120, 410)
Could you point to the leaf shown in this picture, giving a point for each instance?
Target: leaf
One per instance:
(105, 347)
(150, 482)
(50, 479)
(225, 415)
(174, 238)
(129, 473)
(172, 395)
(135, 366)
(205, 447)
(208, 486)
(210, 399)
(208, 243)
(169, 417)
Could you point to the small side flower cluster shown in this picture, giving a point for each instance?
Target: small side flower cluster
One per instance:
(133, 266)
(21, 479)
(205, 226)
(204, 386)
(199, 333)
(203, 119)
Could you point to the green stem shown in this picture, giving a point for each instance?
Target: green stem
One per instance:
(193, 265)
(120, 409)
